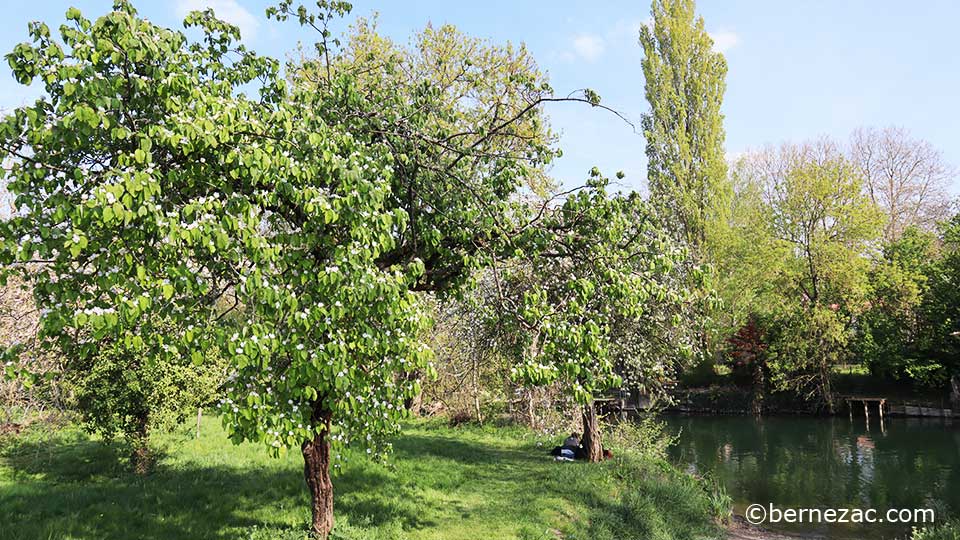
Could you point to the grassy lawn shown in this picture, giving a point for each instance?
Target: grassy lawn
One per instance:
(441, 483)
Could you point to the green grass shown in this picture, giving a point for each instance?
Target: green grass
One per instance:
(441, 483)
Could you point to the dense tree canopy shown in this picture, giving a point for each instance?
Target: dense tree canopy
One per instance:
(463, 121)
(810, 226)
(910, 330)
(601, 293)
(832, 251)
(116, 209)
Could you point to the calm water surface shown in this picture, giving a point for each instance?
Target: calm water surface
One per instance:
(826, 463)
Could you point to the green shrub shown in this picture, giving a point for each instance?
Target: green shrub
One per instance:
(119, 394)
(948, 531)
(646, 437)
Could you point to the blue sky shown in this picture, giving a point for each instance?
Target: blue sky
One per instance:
(797, 70)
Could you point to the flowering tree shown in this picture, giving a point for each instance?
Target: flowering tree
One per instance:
(109, 208)
(161, 203)
(601, 295)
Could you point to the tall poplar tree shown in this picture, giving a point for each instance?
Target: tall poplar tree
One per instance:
(685, 83)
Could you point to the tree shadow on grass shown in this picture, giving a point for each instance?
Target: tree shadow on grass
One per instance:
(70, 457)
(415, 445)
(80, 489)
(486, 483)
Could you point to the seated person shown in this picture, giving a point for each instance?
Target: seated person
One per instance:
(570, 449)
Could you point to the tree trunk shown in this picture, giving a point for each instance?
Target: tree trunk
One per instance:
(531, 412)
(955, 392)
(141, 458)
(415, 403)
(826, 391)
(591, 434)
(316, 470)
(759, 387)
(476, 393)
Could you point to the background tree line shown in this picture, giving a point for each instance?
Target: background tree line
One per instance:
(832, 253)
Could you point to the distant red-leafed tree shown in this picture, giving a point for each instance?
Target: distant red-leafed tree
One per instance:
(747, 357)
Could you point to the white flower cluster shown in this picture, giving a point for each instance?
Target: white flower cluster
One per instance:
(96, 311)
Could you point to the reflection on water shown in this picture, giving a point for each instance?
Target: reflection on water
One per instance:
(827, 463)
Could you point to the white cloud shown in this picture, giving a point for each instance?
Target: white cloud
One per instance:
(724, 40)
(588, 47)
(628, 29)
(227, 10)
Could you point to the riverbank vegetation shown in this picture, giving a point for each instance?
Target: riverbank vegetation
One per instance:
(949, 531)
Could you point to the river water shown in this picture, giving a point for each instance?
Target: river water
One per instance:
(798, 462)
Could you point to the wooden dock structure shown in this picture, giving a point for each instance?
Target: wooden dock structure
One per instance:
(866, 401)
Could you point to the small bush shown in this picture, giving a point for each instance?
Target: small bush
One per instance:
(949, 531)
(647, 437)
(460, 418)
